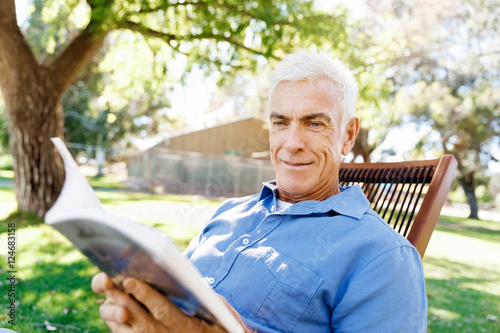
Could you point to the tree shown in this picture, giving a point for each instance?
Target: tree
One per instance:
(217, 36)
(467, 125)
(32, 92)
(4, 138)
(452, 82)
(117, 96)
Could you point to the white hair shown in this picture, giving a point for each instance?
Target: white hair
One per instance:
(311, 65)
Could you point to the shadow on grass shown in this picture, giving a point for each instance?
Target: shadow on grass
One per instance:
(61, 295)
(484, 230)
(21, 219)
(460, 301)
(54, 287)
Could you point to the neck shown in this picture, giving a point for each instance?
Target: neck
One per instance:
(317, 196)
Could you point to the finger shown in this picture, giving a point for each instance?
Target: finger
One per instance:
(114, 313)
(101, 282)
(120, 328)
(166, 312)
(118, 297)
(209, 328)
(137, 316)
(160, 307)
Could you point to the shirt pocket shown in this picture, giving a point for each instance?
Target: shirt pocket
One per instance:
(276, 290)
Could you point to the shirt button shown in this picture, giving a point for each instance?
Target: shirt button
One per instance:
(210, 280)
(245, 241)
(272, 208)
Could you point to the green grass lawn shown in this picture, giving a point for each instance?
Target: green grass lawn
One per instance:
(462, 268)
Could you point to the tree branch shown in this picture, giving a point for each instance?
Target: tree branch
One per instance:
(169, 37)
(149, 32)
(16, 56)
(231, 41)
(73, 59)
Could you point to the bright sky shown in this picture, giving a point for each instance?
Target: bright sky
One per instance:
(21, 6)
(356, 7)
(194, 98)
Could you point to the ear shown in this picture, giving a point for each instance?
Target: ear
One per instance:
(350, 134)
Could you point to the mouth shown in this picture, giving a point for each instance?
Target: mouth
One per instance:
(296, 164)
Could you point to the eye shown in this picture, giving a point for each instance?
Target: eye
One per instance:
(315, 125)
(278, 123)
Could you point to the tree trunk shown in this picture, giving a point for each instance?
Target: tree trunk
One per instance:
(362, 147)
(467, 182)
(38, 168)
(34, 115)
(32, 94)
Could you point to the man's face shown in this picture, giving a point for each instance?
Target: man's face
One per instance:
(306, 140)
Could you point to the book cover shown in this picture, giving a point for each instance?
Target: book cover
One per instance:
(122, 248)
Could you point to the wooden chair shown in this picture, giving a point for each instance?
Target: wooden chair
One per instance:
(408, 195)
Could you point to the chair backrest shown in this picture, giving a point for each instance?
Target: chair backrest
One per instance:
(408, 195)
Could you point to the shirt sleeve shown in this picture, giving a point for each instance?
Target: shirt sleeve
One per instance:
(386, 295)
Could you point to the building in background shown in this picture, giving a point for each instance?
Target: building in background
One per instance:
(243, 137)
(230, 159)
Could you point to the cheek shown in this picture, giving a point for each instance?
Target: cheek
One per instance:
(329, 153)
(275, 140)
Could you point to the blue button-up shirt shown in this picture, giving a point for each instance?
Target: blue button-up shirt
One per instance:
(316, 266)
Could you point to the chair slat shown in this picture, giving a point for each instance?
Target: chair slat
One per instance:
(390, 180)
(407, 194)
(424, 179)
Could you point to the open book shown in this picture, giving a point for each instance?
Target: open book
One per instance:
(122, 248)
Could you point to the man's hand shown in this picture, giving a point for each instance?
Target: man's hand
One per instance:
(125, 312)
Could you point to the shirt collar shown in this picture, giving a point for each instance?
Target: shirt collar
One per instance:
(351, 201)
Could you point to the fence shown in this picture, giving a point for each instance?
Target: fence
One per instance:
(91, 157)
(169, 171)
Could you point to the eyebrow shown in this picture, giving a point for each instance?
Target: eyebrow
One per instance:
(277, 115)
(316, 115)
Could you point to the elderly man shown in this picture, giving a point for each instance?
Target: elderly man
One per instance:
(304, 255)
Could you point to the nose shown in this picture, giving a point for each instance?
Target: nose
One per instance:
(295, 139)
